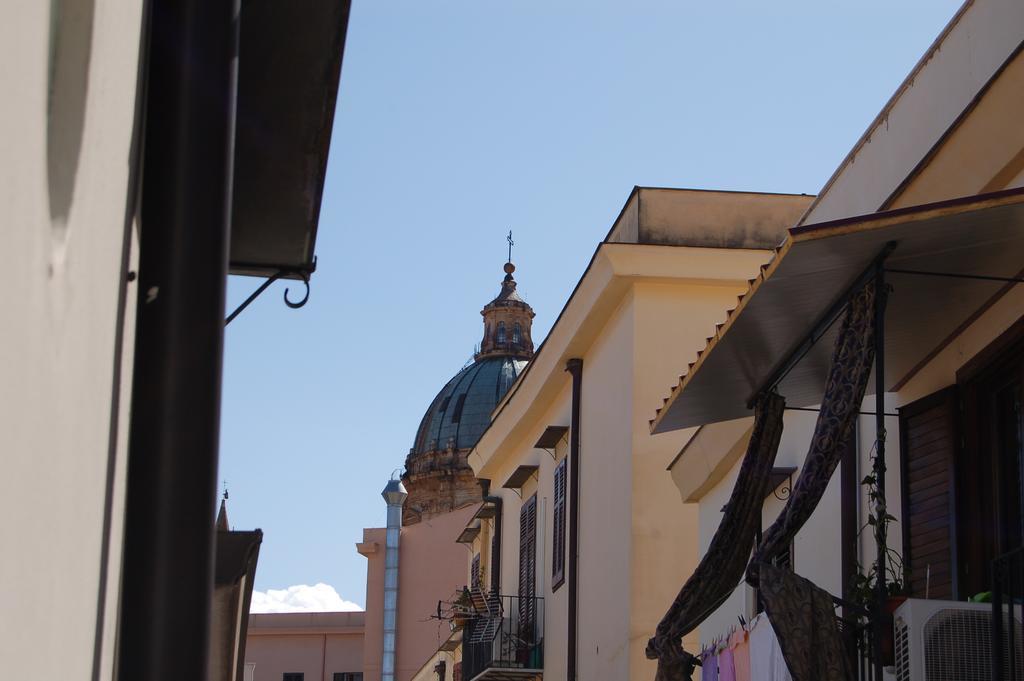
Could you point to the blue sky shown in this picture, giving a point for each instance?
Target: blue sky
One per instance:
(458, 121)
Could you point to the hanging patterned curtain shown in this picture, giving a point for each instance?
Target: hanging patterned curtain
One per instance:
(804, 621)
(721, 568)
(801, 612)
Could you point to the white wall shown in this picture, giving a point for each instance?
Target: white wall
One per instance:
(63, 197)
(824, 568)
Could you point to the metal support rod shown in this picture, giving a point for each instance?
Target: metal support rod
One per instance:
(882, 592)
(861, 413)
(265, 285)
(820, 328)
(957, 275)
(253, 296)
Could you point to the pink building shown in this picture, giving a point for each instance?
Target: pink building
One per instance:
(305, 646)
(431, 567)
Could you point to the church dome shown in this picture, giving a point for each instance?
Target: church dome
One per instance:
(437, 474)
(461, 412)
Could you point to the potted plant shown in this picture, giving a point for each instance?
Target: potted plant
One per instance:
(462, 608)
(864, 585)
(865, 582)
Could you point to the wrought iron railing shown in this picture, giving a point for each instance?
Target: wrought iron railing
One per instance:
(506, 633)
(1007, 615)
(857, 628)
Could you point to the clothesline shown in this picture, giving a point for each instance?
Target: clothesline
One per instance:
(745, 653)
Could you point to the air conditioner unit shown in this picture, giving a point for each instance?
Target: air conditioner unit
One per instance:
(950, 641)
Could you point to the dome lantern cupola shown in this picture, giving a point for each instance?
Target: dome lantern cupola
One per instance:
(507, 323)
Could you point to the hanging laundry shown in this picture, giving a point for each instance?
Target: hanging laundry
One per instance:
(726, 663)
(709, 664)
(766, 661)
(739, 646)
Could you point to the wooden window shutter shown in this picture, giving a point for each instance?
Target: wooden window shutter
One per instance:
(558, 526)
(928, 432)
(527, 565)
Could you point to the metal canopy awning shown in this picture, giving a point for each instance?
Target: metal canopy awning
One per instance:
(453, 641)
(978, 236)
(289, 64)
(469, 533)
(551, 436)
(487, 510)
(519, 476)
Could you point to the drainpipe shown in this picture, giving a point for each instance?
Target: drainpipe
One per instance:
(575, 368)
(169, 533)
(394, 494)
(496, 546)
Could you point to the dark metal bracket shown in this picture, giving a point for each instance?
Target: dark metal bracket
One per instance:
(784, 489)
(265, 285)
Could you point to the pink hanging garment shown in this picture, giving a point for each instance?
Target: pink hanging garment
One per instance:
(740, 654)
(726, 665)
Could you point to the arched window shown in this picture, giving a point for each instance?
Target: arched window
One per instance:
(501, 333)
(517, 333)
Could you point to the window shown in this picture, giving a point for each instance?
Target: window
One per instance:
(474, 572)
(348, 676)
(501, 333)
(444, 402)
(527, 567)
(459, 403)
(517, 333)
(293, 676)
(558, 531)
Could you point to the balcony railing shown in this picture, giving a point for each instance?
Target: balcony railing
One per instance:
(1007, 615)
(504, 640)
(858, 631)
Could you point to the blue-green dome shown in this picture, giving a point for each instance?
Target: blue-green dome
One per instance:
(461, 412)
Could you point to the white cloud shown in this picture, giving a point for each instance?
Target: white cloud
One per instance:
(301, 598)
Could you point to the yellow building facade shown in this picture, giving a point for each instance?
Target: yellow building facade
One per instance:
(657, 285)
